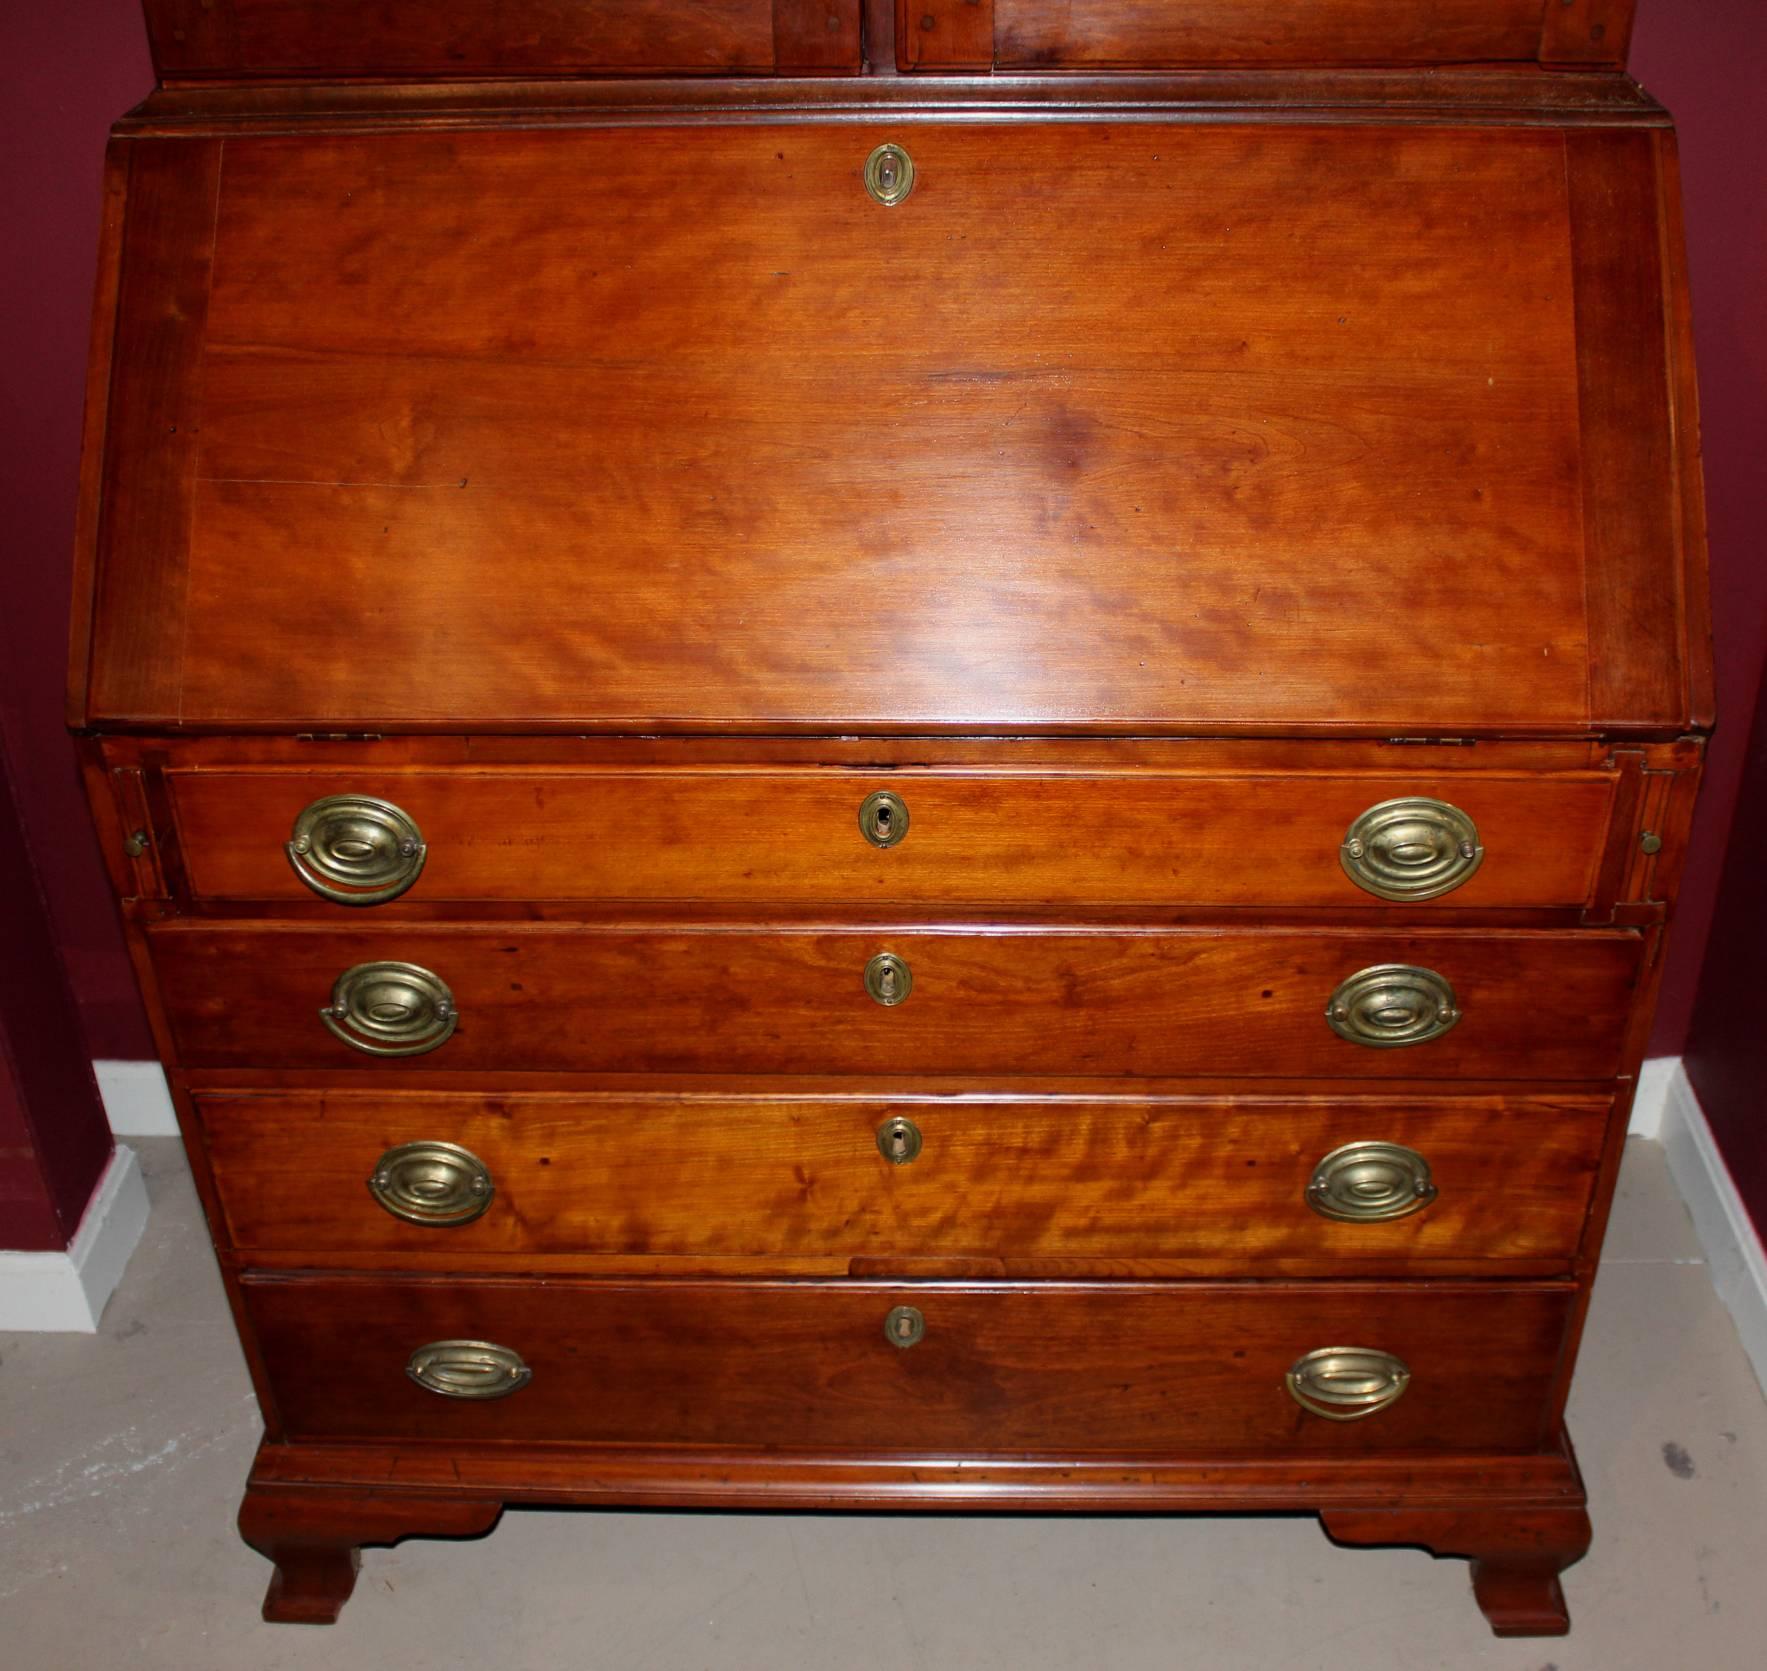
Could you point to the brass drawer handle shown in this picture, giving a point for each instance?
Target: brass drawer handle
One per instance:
(888, 979)
(1347, 1383)
(391, 1009)
(889, 175)
(1370, 1183)
(432, 1183)
(883, 818)
(477, 1369)
(904, 1326)
(1392, 1004)
(898, 1140)
(1413, 848)
(356, 849)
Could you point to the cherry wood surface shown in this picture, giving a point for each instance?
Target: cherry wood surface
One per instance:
(1116, 34)
(310, 1507)
(1257, 411)
(1130, 836)
(1299, 455)
(985, 1000)
(1516, 1557)
(314, 1537)
(1418, 97)
(1001, 1368)
(342, 38)
(1188, 1184)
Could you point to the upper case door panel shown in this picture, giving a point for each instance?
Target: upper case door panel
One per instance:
(1168, 34)
(336, 38)
(1104, 427)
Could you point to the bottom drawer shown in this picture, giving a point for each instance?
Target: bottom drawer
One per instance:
(952, 1369)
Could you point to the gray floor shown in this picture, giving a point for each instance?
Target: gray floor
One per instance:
(121, 1460)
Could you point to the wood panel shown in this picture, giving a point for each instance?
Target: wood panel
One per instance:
(1126, 484)
(984, 1000)
(1121, 1368)
(945, 34)
(1031, 838)
(156, 404)
(1587, 32)
(1199, 1183)
(342, 38)
(1633, 558)
(1122, 34)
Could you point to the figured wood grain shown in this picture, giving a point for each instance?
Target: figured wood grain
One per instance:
(1119, 1367)
(1030, 837)
(1209, 471)
(343, 38)
(1000, 1000)
(721, 1177)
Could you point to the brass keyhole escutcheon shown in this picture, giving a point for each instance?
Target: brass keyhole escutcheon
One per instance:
(904, 1326)
(888, 979)
(898, 1140)
(883, 818)
(889, 175)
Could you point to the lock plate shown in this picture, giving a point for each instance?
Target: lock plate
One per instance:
(883, 818)
(904, 1326)
(898, 1140)
(888, 979)
(889, 175)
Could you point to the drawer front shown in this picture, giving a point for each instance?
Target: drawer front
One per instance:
(1211, 1183)
(1119, 1368)
(994, 1000)
(985, 837)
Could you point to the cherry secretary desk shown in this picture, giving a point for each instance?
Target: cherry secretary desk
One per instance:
(920, 757)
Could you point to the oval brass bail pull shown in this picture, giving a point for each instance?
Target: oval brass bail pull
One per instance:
(356, 849)
(1411, 849)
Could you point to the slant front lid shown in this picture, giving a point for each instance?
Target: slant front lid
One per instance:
(1131, 426)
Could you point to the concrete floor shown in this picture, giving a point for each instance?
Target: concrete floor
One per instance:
(122, 1458)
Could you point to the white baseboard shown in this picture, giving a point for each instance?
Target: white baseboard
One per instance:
(1652, 1100)
(1729, 1239)
(67, 1292)
(136, 1099)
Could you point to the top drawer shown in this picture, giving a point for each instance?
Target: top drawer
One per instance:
(805, 835)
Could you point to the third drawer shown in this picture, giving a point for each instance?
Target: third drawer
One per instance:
(1160, 1182)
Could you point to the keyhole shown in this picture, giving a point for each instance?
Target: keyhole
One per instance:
(882, 819)
(887, 171)
(887, 980)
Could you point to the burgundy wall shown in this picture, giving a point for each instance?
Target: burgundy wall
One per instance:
(67, 70)
(54, 1139)
(73, 65)
(1707, 61)
(1727, 1048)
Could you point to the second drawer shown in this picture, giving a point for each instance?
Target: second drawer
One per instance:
(885, 998)
(1176, 1184)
